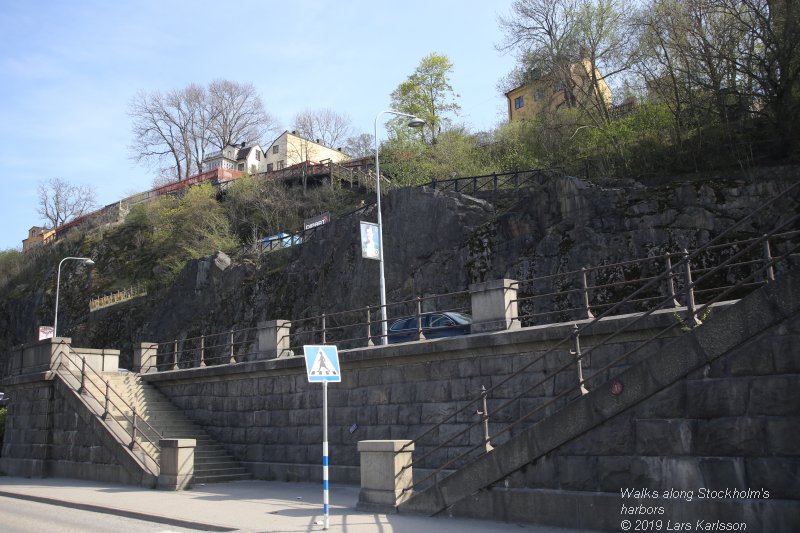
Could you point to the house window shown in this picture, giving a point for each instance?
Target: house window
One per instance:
(269, 167)
(258, 155)
(538, 95)
(275, 149)
(253, 169)
(519, 101)
(280, 164)
(241, 166)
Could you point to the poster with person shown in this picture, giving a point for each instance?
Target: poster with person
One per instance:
(370, 241)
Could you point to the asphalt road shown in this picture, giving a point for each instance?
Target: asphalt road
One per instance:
(20, 516)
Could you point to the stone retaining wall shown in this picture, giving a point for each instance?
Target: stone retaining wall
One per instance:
(269, 416)
(50, 431)
(731, 426)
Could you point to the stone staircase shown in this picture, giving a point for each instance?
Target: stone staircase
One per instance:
(212, 463)
(725, 348)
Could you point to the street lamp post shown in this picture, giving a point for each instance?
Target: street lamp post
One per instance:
(85, 261)
(415, 122)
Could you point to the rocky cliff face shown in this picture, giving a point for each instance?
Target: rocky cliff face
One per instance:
(435, 243)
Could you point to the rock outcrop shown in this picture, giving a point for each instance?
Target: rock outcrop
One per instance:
(434, 242)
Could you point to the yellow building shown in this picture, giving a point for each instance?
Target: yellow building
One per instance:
(290, 149)
(549, 92)
(37, 236)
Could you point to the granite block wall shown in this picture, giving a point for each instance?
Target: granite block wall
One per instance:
(269, 416)
(730, 426)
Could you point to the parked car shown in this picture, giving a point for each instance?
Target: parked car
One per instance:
(434, 326)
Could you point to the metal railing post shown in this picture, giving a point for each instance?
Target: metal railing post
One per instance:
(420, 335)
(133, 430)
(690, 304)
(369, 329)
(105, 403)
(324, 333)
(175, 356)
(585, 290)
(82, 388)
(770, 268)
(202, 351)
(578, 358)
(232, 360)
(494, 182)
(487, 445)
(671, 284)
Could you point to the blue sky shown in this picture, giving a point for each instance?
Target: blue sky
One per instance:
(70, 69)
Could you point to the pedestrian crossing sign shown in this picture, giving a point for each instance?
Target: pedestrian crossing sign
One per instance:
(322, 363)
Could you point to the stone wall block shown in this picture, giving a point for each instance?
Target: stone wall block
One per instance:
(723, 472)
(779, 475)
(730, 436)
(753, 358)
(664, 437)
(577, 472)
(716, 397)
(614, 437)
(771, 396)
(623, 471)
(786, 354)
(782, 436)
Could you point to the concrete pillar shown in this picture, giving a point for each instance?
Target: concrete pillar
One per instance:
(145, 357)
(273, 339)
(494, 305)
(176, 463)
(382, 481)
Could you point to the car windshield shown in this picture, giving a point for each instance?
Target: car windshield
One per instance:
(461, 317)
(439, 321)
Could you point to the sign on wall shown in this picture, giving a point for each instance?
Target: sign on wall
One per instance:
(45, 332)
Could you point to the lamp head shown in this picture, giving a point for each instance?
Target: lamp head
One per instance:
(416, 122)
(88, 262)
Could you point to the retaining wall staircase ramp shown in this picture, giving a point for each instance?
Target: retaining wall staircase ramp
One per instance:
(212, 463)
(722, 332)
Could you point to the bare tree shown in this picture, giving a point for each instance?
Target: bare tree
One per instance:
(60, 201)
(329, 127)
(237, 114)
(575, 45)
(172, 131)
(362, 145)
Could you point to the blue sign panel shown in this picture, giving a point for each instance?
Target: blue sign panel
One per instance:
(322, 363)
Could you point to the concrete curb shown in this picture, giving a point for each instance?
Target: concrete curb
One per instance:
(146, 517)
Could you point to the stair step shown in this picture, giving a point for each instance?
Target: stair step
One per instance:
(157, 418)
(222, 478)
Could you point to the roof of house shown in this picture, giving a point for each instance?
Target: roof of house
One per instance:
(243, 153)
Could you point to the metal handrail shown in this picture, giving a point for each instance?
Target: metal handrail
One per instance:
(552, 376)
(171, 350)
(85, 370)
(768, 267)
(336, 323)
(486, 415)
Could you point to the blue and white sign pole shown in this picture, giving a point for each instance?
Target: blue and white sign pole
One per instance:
(322, 365)
(325, 489)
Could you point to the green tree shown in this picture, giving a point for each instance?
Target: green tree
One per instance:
(169, 231)
(258, 207)
(427, 94)
(11, 264)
